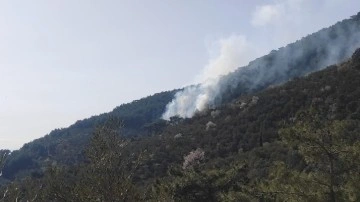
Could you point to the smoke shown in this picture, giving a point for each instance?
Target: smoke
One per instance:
(233, 51)
(266, 14)
(222, 81)
(280, 12)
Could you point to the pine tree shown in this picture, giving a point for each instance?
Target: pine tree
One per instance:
(330, 149)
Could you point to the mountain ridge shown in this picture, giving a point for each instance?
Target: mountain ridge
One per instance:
(141, 117)
(245, 150)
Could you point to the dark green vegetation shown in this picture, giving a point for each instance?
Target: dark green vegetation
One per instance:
(296, 142)
(65, 146)
(314, 52)
(142, 117)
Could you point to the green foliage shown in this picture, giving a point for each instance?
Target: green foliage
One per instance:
(3, 155)
(199, 184)
(242, 158)
(105, 176)
(276, 149)
(65, 146)
(330, 149)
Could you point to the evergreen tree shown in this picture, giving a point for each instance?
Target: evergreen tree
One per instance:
(330, 149)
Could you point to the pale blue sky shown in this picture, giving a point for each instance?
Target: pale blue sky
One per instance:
(65, 60)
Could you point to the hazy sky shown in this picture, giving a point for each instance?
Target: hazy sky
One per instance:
(65, 60)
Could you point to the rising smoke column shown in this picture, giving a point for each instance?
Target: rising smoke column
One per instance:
(223, 82)
(233, 51)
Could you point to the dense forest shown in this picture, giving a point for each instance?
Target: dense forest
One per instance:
(293, 141)
(65, 145)
(142, 117)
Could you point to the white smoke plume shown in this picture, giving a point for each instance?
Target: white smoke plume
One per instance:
(280, 13)
(233, 51)
(223, 81)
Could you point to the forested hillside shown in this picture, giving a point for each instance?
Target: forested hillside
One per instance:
(295, 142)
(312, 53)
(142, 117)
(263, 140)
(65, 145)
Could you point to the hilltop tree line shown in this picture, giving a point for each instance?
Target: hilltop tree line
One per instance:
(141, 118)
(314, 159)
(266, 142)
(296, 142)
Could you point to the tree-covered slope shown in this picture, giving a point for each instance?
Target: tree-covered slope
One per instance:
(253, 120)
(65, 145)
(312, 53)
(299, 141)
(142, 117)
